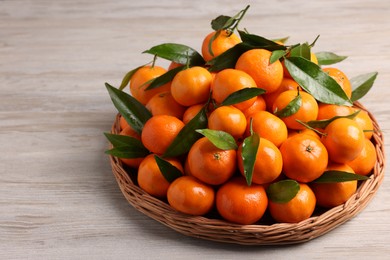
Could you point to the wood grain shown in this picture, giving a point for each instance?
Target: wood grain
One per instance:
(58, 198)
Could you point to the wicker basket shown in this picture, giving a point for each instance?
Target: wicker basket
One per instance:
(258, 234)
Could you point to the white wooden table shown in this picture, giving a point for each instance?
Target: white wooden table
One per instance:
(58, 197)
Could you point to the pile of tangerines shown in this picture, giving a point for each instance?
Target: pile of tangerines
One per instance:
(238, 130)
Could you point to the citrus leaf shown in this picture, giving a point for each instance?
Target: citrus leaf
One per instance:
(131, 109)
(301, 50)
(119, 140)
(187, 136)
(292, 107)
(222, 22)
(259, 41)
(315, 81)
(362, 84)
(282, 40)
(283, 191)
(164, 78)
(276, 55)
(242, 95)
(228, 58)
(126, 79)
(220, 139)
(177, 52)
(328, 58)
(339, 176)
(324, 123)
(169, 171)
(126, 146)
(248, 155)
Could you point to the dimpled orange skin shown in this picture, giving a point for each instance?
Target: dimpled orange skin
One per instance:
(258, 105)
(239, 203)
(256, 63)
(328, 111)
(222, 43)
(268, 163)
(191, 86)
(330, 195)
(301, 207)
(229, 81)
(143, 75)
(307, 112)
(268, 126)
(344, 140)
(305, 158)
(287, 84)
(164, 104)
(211, 164)
(188, 195)
(191, 112)
(365, 161)
(150, 178)
(228, 119)
(365, 122)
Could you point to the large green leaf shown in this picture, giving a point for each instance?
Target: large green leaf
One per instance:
(339, 176)
(169, 171)
(292, 107)
(220, 139)
(259, 41)
(328, 58)
(316, 82)
(283, 191)
(164, 78)
(126, 146)
(131, 109)
(178, 53)
(249, 155)
(187, 136)
(242, 95)
(362, 84)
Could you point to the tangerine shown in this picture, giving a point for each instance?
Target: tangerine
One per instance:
(224, 41)
(228, 119)
(164, 104)
(365, 161)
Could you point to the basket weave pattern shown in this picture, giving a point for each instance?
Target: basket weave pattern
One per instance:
(274, 234)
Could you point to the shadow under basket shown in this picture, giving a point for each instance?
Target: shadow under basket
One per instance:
(257, 234)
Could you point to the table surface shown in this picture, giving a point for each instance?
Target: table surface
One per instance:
(58, 197)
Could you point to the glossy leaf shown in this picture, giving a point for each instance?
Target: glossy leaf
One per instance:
(282, 40)
(164, 78)
(229, 58)
(301, 50)
(169, 171)
(220, 139)
(187, 136)
(222, 22)
(126, 146)
(276, 55)
(242, 95)
(324, 123)
(328, 58)
(292, 107)
(248, 155)
(316, 82)
(177, 52)
(126, 79)
(283, 191)
(259, 41)
(131, 109)
(362, 84)
(339, 176)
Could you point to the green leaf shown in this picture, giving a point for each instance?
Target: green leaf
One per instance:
(187, 136)
(316, 82)
(362, 84)
(222, 22)
(283, 191)
(164, 78)
(169, 171)
(126, 146)
(178, 53)
(119, 140)
(324, 123)
(127, 152)
(248, 155)
(339, 176)
(242, 95)
(292, 107)
(228, 58)
(126, 79)
(282, 40)
(131, 109)
(328, 58)
(259, 41)
(276, 55)
(220, 139)
(301, 50)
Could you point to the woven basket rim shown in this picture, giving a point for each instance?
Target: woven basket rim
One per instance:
(256, 234)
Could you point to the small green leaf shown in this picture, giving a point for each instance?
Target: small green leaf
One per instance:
(259, 41)
(127, 152)
(316, 82)
(126, 146)
(228, 58)
(362, 84)
(164, 78)
(178, 53)
(283, 191)
(291, 107)
(339, 176)
(276, 55)
(301, 50)
(328, 58)
(119, 140)
(169, 171)
(220, 139)
(324, 123)
(131, 109)
(126, 79)
(242, 95)
(222, 22)
(249, 154)
(282, 40)
(187, 136)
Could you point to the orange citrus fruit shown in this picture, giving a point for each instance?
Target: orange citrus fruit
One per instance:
(365, 161)
(258, 105)
(131, 162)
(328, 111)
(224, 41)
(341, 79)
(228, 119)
(365, 122)
(287, 84)
(191, 112)
(164, 104)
